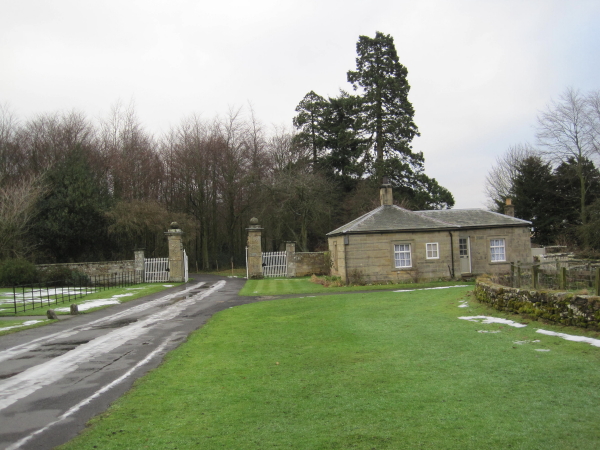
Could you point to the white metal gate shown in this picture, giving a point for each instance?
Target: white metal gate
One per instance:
(185, 267)
(156, 270)
(274, 264)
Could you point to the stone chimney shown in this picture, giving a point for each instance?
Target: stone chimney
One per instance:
(385, 193)
(509, 209)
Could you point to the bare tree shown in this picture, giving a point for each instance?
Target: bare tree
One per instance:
(49, 138)
(565, 133)
(10, 157)
(593, 107)
(135, 169)
(283, 150)
(499, 181)
(17, 210)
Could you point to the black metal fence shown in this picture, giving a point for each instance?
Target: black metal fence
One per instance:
(563, 275)
(36, 295)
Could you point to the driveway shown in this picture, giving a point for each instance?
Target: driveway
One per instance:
(53, 379)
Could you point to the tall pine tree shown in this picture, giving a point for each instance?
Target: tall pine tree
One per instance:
(388, 114)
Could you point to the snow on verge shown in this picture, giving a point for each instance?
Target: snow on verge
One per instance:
(570, 337)
(91, 304)
(430, 289)
(24, 324)
(488, 319)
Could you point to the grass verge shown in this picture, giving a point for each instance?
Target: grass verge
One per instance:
(288, 286)
(119, 295)
(379, 371)
(12, 326)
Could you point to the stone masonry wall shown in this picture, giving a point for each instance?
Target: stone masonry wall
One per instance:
(558, 307)
(308, 263)
(373, 254)
(95, 268)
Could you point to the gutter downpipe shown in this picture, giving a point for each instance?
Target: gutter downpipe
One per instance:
(346, 243)
(452, 252)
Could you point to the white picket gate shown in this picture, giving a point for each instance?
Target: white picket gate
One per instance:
(274, 264)
(186, 270)
(156, 270)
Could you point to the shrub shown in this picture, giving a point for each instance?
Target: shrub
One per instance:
(57, 275)
(356, 277)
(14, 272)
(327, 281)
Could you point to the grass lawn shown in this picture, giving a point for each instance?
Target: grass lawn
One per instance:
(101, 300)
(11, 326)
(370, 371)
(287, 286)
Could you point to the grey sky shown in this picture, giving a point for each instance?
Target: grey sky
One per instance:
(479, 70)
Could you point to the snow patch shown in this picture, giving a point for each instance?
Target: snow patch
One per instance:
(525, 342)
(168, 285)
(91, 304)
(570, 337)
(542, 350)
(488, 319)
(433, 288)
(24, 324)
(486, 331)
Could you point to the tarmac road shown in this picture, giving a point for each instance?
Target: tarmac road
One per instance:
(53, 379)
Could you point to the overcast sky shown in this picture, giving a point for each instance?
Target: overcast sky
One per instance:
(480, 70)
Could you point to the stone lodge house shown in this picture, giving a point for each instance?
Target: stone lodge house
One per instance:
(394, 244)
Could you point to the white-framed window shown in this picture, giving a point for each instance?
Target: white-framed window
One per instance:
(432, 251)
(402, 255)
(498, 250)
(463, 247)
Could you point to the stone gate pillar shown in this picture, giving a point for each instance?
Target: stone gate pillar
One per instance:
(174, 235)
(254, 249)
(139, 266)
(290, 252)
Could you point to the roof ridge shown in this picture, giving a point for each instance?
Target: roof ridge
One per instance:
(505, 215)
(436, 219)
(363, 218)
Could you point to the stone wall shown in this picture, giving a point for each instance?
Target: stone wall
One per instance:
(95, 268)
(308, 263)
(559, 307)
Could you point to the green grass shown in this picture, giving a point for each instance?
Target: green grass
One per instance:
(364, 371)
(137, 291)
(6, 325)
(287, 286)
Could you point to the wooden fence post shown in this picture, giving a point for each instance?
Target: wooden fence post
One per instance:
(597, 281)
(534, 275)
(512, 274)
(518, 274)
(562, 281)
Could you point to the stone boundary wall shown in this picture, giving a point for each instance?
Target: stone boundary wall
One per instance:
(308, 263)
(559, 307)
(95, 268)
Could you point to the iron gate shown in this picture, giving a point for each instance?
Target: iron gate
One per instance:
(274, 264)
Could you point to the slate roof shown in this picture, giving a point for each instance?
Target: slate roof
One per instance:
(391, 218)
